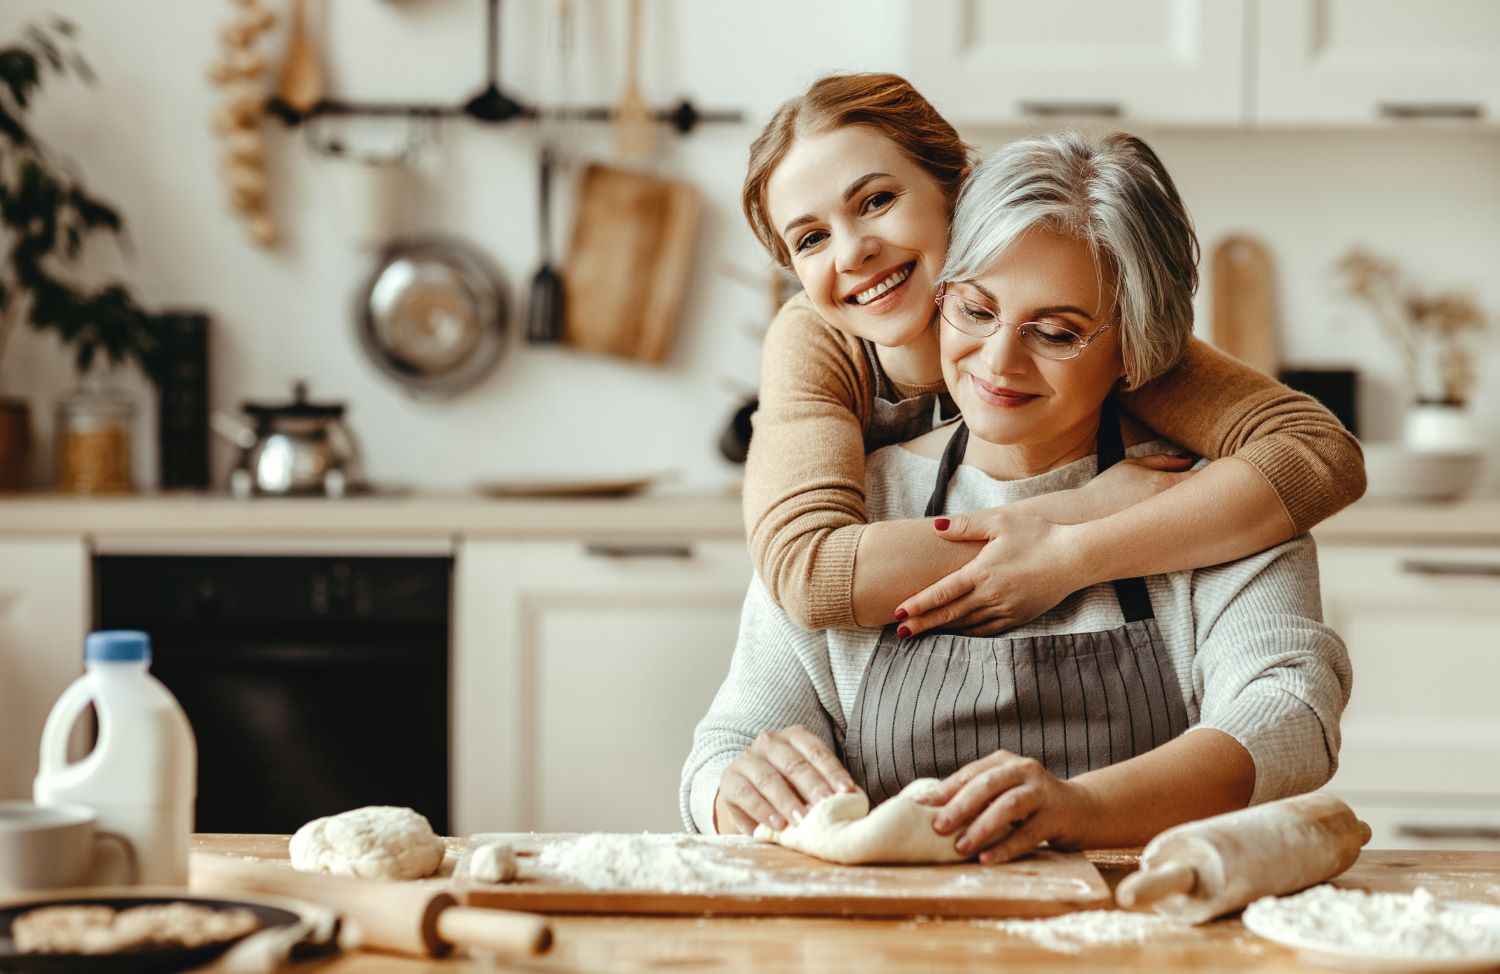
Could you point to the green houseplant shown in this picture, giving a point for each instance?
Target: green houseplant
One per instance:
(47, 219)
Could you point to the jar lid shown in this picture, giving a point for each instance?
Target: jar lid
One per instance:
(299, 407)
(117, 646)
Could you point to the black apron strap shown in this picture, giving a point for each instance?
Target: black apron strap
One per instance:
(953, 455)
(1135, 600)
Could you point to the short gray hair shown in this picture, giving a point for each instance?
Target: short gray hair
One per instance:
(1110, 191)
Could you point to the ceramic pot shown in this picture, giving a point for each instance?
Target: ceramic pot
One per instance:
(1443, 427)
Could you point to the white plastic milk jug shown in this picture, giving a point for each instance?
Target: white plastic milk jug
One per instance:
(141, 778)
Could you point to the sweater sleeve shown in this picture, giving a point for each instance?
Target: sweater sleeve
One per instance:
(1217, 406)
(779, 676)
(1268, 671)
(804, 497)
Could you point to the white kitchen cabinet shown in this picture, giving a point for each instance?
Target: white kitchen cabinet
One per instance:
(44, 613)
(1360, 62)
(580, 670)
(1006, 62)
(1421, 735)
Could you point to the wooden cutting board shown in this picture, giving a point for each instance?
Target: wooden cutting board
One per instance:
(1244, 322)
(627, 262)
(738, 876)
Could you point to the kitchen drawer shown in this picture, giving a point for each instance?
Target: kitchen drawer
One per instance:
(1422, 624)
(1427, 822)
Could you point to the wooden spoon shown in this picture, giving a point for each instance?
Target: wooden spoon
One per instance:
(300, 86)
(635, 124)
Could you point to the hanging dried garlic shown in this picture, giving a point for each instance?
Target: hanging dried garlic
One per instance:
(241, 71)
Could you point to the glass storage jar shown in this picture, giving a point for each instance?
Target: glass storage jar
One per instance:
(93, 444)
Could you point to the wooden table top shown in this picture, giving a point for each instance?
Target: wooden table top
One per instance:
(733, 944)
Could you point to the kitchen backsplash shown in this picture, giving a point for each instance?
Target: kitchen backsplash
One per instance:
(1430, 198)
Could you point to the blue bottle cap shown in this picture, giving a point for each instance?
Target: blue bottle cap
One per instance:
(117, 646)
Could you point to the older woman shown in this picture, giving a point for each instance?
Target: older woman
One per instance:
(1130, 706)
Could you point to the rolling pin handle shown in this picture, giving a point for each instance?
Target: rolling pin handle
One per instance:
(1147, 886)
(498, 931)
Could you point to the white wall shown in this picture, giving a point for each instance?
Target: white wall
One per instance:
(1430, 198)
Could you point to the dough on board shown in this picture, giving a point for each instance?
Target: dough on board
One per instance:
(493, 862)
(374, 842)
(842, 829)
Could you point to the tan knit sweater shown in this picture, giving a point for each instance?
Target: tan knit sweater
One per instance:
(805, 476)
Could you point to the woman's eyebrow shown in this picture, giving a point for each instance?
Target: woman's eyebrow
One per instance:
(854, 187)
(1051, 309)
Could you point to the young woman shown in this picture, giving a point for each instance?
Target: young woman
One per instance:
(852, 185)
(1129, 707)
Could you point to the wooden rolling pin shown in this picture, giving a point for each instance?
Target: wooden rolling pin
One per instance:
(403, 918)
(1200, 870)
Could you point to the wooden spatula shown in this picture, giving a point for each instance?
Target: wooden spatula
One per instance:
(635, 132)
(300, 85)
(1244, 323)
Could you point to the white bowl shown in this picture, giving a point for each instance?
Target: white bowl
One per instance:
(1398, 473)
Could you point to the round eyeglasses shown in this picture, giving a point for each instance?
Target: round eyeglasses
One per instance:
(964, 308)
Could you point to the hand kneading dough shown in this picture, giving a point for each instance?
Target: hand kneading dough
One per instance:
(493, 862)
(375, 842)
(842, 829)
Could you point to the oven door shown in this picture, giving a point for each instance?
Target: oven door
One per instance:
(314, 684)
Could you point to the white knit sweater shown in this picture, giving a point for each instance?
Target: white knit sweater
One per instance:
(1248, 636)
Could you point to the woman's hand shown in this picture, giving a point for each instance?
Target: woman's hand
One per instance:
(775, 780)
(1026, 566)
(1008, 805)
(1023, 570)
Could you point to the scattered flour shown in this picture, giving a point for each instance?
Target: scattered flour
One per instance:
(1074, 933)
(1401, 924)
(646, 861)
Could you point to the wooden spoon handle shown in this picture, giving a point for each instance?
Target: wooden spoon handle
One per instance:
(499, 931)
(1146, 886)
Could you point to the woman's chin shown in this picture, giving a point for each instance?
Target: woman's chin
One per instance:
(890, 330)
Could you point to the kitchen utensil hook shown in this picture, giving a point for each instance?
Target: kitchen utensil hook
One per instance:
(491, 104)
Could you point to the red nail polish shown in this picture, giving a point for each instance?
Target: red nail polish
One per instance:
(903, 632)
(941, 524)
(900, 614)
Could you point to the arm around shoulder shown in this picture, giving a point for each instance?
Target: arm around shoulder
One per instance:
(1217, 406)
(804, 498)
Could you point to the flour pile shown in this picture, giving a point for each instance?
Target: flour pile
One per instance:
(1074, 933)
(1390, 924)
(647, 861)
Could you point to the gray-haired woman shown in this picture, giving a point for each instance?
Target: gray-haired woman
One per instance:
(1131, 706)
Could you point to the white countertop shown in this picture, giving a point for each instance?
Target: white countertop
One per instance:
(420, 514)
(654, 514)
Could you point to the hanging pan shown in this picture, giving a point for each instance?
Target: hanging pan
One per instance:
(433, 316)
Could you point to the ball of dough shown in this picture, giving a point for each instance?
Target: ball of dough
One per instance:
(841, 828)
(493, 862)
(375, 842)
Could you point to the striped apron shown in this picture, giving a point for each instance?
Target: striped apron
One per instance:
(1073, 701)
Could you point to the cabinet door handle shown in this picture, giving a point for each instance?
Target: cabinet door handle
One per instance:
(1406, 110)
(1419, 831)
(1090, 109)
(638, 549)
(1465, 569)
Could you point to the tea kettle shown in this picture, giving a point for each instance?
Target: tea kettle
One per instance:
(292, 448)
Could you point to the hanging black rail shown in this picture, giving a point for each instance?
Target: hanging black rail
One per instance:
(491, 105)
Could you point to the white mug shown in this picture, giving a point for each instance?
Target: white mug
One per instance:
(57, 846)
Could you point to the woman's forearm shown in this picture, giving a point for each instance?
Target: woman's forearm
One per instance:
(1225, 511)
(1202, 773)
(897, 558)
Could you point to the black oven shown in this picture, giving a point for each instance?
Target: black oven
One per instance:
(314, 683)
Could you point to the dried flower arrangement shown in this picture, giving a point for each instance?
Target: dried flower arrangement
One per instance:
(1433, 331)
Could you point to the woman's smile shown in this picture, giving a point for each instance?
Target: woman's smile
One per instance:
(883, 291)
(1001, 396)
